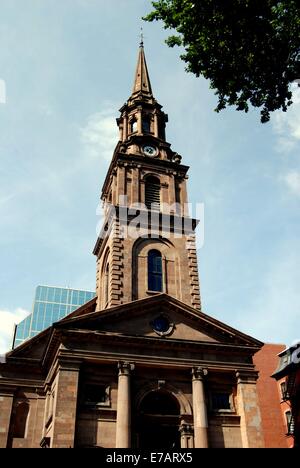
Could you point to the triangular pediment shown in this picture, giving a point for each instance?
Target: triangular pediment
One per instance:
(150, 318)
(138, 319)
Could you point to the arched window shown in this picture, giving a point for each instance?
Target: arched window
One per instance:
(133, 126)
(158, 402)
(106, 285)
(152, 193)
(146, 124)
(155, 277)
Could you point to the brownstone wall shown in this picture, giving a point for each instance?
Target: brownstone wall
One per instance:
(64, 418)
(6, 402)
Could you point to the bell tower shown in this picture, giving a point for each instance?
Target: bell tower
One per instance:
(147, 243)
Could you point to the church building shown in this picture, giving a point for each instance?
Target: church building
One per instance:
(141, 365)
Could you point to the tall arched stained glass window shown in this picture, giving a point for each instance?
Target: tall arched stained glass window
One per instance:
(155, 275)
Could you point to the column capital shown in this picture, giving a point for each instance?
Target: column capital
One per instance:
(246, 376)
(199, 373)
(125, 367)
(186, 429)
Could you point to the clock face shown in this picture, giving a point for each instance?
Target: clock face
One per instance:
(149, 150)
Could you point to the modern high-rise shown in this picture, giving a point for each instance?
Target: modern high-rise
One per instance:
(50, 305)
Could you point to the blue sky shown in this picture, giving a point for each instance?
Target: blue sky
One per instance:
(68, 67)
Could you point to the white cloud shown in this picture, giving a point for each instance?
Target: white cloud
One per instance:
(287, 125)
(292, 181)
(100, 135)
(7, 321)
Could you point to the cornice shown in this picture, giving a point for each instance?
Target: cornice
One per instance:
(160, 343)
(124, 214)
(153, 361)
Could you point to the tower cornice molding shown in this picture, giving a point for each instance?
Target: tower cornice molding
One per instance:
(146, 163)
(125, 214)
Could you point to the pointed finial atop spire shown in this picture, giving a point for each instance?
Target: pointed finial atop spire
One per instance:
(142, 83)
(142, 37)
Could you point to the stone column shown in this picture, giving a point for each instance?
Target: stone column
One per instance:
(184, 198)
(172, 198)
(140, 121)
(248, 407)
(156, 131)
(121, 185)
(123, 433)
(135, 186)
(114, 185)
(187, 439)
(199, 409)
(64, 417)
(125, 128)
(6, 403)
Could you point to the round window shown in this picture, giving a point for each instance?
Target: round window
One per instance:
(162, 326)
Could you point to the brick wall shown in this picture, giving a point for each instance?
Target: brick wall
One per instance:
(271, 407)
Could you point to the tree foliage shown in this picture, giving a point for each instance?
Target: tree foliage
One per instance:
(248, 49)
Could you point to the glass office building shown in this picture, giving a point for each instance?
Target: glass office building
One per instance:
(50, 305)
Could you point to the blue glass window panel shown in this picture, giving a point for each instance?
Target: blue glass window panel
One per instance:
(51, 295)
(64, 296)
(75, 297)
(82, 297)
(48, 315)
(62, 311)
(27, 326)
(155, 282)
(48, 311)
(40, 317)
(38, 293)
(43, 293)
(55, 316)
(57, 295)
(34, 320)
(20, 330)
(47, 324)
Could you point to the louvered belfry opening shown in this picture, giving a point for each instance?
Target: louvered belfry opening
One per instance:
(152, 193)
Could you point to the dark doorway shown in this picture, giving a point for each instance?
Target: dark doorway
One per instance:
(158, 423)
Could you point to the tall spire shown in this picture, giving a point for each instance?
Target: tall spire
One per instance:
(142, 83)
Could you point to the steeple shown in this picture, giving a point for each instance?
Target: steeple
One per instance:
(142, 85)
(146, 175)
(142, 115)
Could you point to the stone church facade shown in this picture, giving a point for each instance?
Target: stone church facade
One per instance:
(141, 365)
